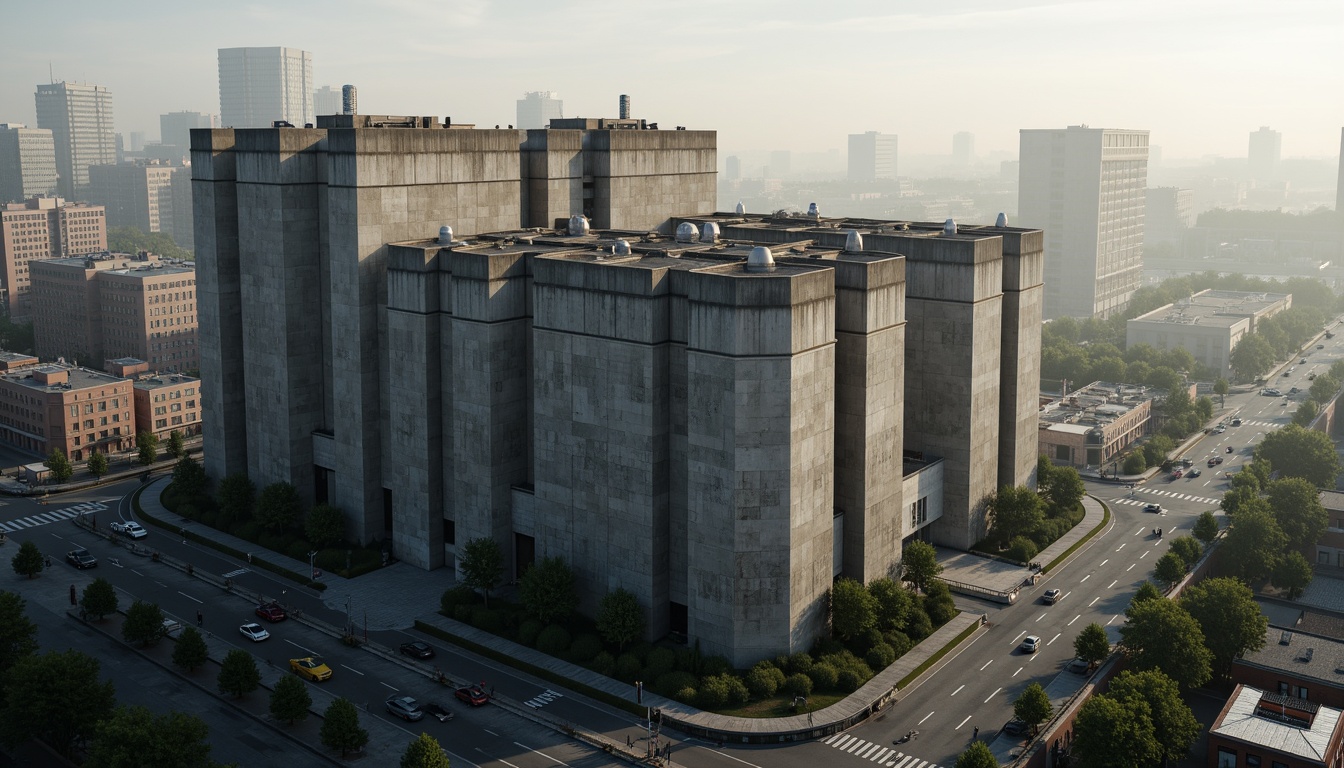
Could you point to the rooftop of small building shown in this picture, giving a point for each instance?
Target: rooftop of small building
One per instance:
(1213, 308)
(78, 378)
(1301, 654)
(1096, 404)
(163, 380)
(16, 357)
(1333, 500)
(808, 222)
(1250, 722)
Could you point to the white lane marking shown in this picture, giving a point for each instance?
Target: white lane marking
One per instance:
(722, 754)
(959, 687)
(309, 651)
(1103, 562)
(987, 663)
(1085, 578)
(963, 722)
(1094, 601)
(1122, 546)
(1113, 583)
(543, 754)
(189, 597)
(1075, 618)
(1113, 618)
(1131, 567)
(1145, 554)
(926, 717)
(382, 683)
(352, 669)
(1056, 637)
(995, 693)
(1019, 669)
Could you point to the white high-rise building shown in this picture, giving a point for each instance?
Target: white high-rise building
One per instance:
(27, 163)
(537, 108)
(1263, 153)
(872, 156)
(79, 117)
(1086, 187)
(258, 86)
(327, 101)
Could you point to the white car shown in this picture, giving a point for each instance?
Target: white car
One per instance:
(131, 528)
(1030, 643)
(254, 632)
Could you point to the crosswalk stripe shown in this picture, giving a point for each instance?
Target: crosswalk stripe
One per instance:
(831, 741)
(844, 741)
(858, 744)
(865, 753)
(881, 755)
(907, 759)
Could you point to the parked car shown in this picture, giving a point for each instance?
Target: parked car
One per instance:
(437, 711)
(170, 625)
(1030, 644)
(474, 695)
(1186, 461)
(81, 558)
(271, 612)
(310, 667)
(1079, 666)
(405, 708)
(1051, 596)
(1015, 727)
(417, 649)
(254, 632)
(130, 528)
(1152, 507)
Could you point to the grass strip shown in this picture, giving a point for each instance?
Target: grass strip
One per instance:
(934, 659)
(1105, 518)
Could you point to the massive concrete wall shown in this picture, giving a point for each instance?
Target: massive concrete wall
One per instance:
(553, 177)
(760, 371)
(1020, 359)
(642, 178)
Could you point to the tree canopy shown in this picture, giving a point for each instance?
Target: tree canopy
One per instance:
(1161, 635)
(1174, 726)
(1229, 617)
(1297, 452)
(341, 729)
(238, 675)
(620, 618)
(1015, 511)
(290, 700)
(1254, 543)
(18, 634)
(481, 565)
(134, 737)
(1092, 645)
(278, 507)
(547, 590)
(144, 623)
(190, 650)
(1108, 733)
(978, 755)
(425, 752)
(1297, 509)
(1033, 706)
(56, 697)
(1294, 574)
(919, 564)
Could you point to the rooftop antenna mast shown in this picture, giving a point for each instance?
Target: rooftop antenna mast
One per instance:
(51, 74)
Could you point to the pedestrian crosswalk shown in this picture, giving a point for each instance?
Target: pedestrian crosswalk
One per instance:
(1137, 502)
(876, 753)
(542, 699)
(54, 516)
(1260, 423)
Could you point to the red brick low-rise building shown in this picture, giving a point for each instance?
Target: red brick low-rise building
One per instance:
(60, 406)
(1257, 729)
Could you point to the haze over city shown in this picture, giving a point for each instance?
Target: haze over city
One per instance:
(1197, 74)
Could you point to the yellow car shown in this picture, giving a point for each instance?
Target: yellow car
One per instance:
(311, 668)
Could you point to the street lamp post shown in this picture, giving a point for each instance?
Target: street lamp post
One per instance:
(312, 568)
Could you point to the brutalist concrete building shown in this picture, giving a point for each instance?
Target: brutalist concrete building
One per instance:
(718, 412)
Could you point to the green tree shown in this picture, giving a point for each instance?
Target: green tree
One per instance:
(1188, 549)
(977, 755)
(176, 445)
(148, 443)
(1297, 509)
(97, 465)
(1243, 496)
(290, 700)
(1111, 734)
(547, 590)
(1306, 413)
(1206, 527)
(189, 477)
(893, 604)
(1015, 511)
(1297, 452)
(341, 729)
(938, 603)
(238, 675)
(1294, 574)
(16, 336)
(1146, 591)
(237, 497)
(56, 697)
(919, 564)
(425, 752)
(1174, 725)
(1160, 634)
(1221, 388)
(853, 609)
(134, 240)
(28, 561)
(1065, 490)
(190, 651)
(1134, 464)
(1170, 569)
(144, 623)
(325, 526)
(278, 507)
(1323, 389)
(134, 737)
(1260, 469)
(1229, 617)
(1337, 370)
(1251, 357)
(1157, 449)
(59, 466)
(1204, 408)
(18, 634)
(481, 564)
(1033, 706)
(620, 618)
(1254, 543)
(1092, 645)
(99, 599)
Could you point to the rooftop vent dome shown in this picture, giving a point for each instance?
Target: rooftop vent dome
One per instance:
(622, 247)
(578, 225)
(761, 260)
(709, 233)
(445, 235)
(685, 232)
(741, 209)
(1002, 221)
(812, 210)
(950, 227)
(853, 242)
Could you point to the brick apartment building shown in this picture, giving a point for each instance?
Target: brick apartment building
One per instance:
(44, 228)
(164, 403)
(60, 406)
(1259, 729)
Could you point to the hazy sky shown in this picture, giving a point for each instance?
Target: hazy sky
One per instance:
(1199, 74)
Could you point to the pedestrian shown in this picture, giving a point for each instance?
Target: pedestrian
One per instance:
(976, 735)
(200, 619)
(628, 743)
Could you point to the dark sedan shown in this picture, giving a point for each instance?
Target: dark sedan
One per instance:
(81, 558)
(437, 711)
(474, 695)
(417, 650)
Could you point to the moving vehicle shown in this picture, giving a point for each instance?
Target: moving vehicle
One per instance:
(1177, 474)
(130, 528)
(1152, 507)
(474, 695)
(1270, 392)
(271, 612)
(81, 558)
(1194, 473)
(417, 649)
(1229, 449)
(1237, 422)
(1030, 644)
(437, 711)
(405, 708)
(310, 667)
(254, 632)
(1320, 346)
(170, 626)
(1051, 596)
(1215, 461)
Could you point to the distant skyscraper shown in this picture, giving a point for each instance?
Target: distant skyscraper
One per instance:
(27, 163)
(963, 148)
(625, 107)
(537, 108)
(733, 168)
(327, 101)
(872, 156)
(80, 120)
(258, 86)
(135, 194)
(175, 129)
(1168, 214)
(349, 99)
(1086, 188)
(43, 228)
(781, 163)
(1262, 157)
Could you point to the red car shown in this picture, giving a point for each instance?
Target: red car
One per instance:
(271, 612)
(474, 695)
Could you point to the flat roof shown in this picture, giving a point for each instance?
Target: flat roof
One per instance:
(1333, 500)
(1301, 654)
(1213, 308)
(1241, 722)
(164, 380)
(79, 378)
(1073, 429)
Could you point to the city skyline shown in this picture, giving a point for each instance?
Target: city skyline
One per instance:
(1055, 53)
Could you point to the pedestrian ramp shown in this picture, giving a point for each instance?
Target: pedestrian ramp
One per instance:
(876, 753)
(53, 516)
